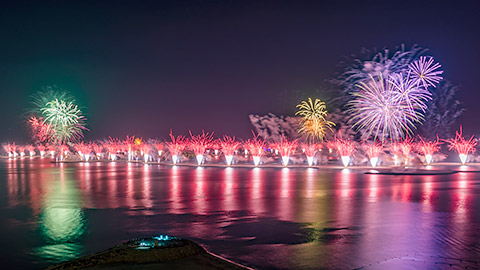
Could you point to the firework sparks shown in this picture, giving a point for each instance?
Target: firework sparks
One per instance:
(313, 124)
(113, 147)
(11, 149)
(426, 72)
(428, 148)
(66, 119)
(84, 150)
(31, 150)
(229, 146)
(98, 149)
(373, 152)
(129, 144)
(63, 150)
(462, 146)
(286, 148)
(255, 146)
(345, 148)
(41, 148)
(406, 147)
(199, 143)
(310, 150)
(176, 146)
(387, 109)
(41, 131)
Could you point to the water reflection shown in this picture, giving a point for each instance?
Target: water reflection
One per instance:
(267, 218)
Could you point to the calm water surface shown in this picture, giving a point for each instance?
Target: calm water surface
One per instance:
(263, 218)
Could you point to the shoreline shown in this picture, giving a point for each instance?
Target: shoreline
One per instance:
(149, 253)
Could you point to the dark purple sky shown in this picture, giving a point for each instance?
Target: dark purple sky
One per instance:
(143, 67)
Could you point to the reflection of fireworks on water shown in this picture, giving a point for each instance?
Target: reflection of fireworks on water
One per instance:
(373, 152)
(199, 143)
(428, 148)
(286, 148)
(255, 146)
(462, 146)
(345, 148)
(229, 146)
(310, 149)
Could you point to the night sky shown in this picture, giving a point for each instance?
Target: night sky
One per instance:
(144, 67)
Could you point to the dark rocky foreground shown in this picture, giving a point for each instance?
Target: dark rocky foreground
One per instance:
(148, 253)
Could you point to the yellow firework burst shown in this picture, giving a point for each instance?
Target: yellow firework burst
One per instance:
(313, 124)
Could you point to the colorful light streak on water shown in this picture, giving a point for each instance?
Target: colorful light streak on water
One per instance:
(265, 218)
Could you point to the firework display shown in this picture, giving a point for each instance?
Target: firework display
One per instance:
(229, 145)
(428, 148)
(313, 123)
(462, 146)
(373, 152)
(285, 148)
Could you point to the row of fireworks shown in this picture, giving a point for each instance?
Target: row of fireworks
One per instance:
(133, 148)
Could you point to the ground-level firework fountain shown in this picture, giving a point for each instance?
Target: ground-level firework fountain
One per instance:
(199, 144)
(373, 152)
(285, 148)
(229, 146)
(345, 148)
(462, 146)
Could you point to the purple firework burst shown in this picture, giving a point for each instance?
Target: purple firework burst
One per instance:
(426, 72)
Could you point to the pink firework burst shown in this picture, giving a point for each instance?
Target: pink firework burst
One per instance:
(31, 150)
(83, 149)
(345, 148)
(41, 148)
(255, 146)
(286, 148)
(426, 72)
(462, 146)
(199, 143)
(229, 146)
(428, 148)
(373, 151)
(176, 146)
(310, 150)
(41, 132)
(11, 149)
(21, 150)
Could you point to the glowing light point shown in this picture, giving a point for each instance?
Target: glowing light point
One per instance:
(463, 158)
(345, 161)
(428, 159)
(229, 159)
(310, 160)
(199, 159)
(256, 160)
(174, 159)
(285, 160)
(373, 161)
